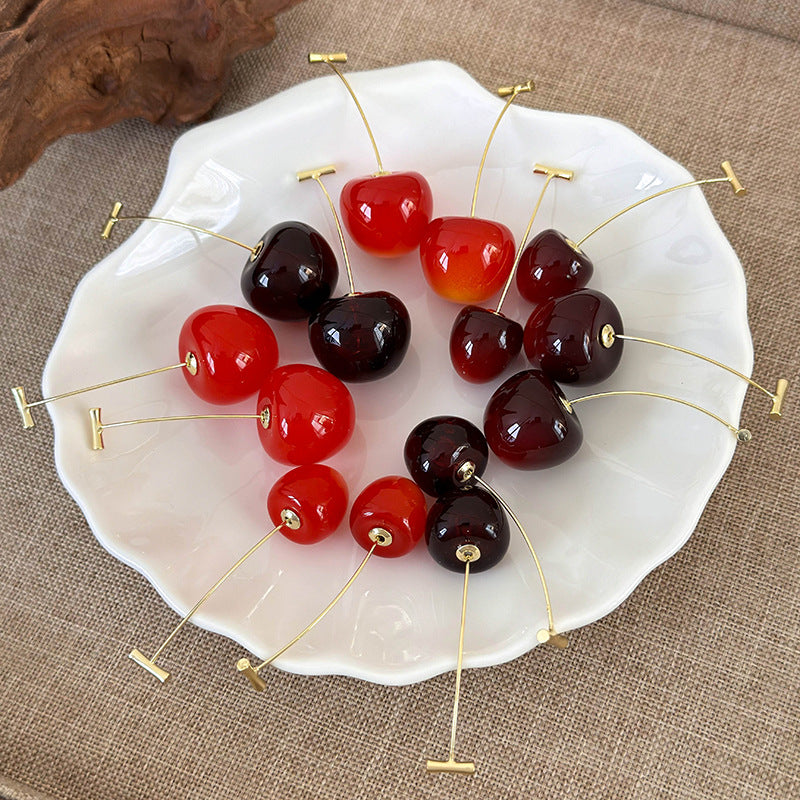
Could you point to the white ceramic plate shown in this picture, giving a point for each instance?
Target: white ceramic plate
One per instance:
(180, 501)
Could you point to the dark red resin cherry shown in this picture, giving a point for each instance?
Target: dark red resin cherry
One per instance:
(438, 448)
(565, 338)
(528, 423)
(466, 259)
(235, 351)
(311, 414)
(394, 504)
(293, 275)
(550, 267)
(387, 214)
(361, 337)
(317, 494)
(464, 517)
(483, 343)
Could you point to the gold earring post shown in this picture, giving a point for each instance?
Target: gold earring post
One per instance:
(316, 175)
(380, 538)
(730, 177)
(331, 59)
(550, 172)
(114, 217)
(547, 635)
(98, 426)
(742, 434)
(465, 553)
(504, 91)
(289, 520)
(23, 406)
(608, 336)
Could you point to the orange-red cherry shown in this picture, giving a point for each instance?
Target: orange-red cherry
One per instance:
(310, 412)
(386, 215)
(317, 494)
(466, 259)
(394, 504)
(235, 351)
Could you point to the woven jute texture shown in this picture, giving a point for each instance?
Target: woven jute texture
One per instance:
(689, 690)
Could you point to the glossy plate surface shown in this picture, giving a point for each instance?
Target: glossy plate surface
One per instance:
(181, 501)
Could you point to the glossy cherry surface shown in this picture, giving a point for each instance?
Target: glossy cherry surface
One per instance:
(483, 343)
(293, 275)
(395, 504)
(386, 215)
(438, 447)
(551, 267)
(563, 337)
(311, 414)
(317, 494)
(467, 516)
(361, 337)
(528, 425)
(466, 259)
(235, 350)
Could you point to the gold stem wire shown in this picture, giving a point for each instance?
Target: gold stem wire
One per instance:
(136, 655)
(329, 58)
(322, 614)
(555, 638)
(512, 93)
(114, 218)
(730, 177)
(316, 174)
(742, 434)
(733, 371)
(551, 173)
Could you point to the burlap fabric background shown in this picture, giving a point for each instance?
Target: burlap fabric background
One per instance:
(689, 690)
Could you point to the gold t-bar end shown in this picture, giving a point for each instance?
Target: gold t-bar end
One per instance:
(244, 665)
(113, 219)
(458, 767)
(555, 172)
(557, 640)
(309, 174)
(22, 406)
(738, 189)
(505, 91)
(97, 429)
(327, 58)
(778, 398)
(151, 667)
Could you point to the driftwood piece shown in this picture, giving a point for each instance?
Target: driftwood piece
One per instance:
(68, 66)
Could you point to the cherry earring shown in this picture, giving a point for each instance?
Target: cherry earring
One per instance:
(578, 338)
(553, 265)
(226, 351)
(290, 273)
(305, 415)
(467, 259)
(387, 519)
(361, 336)
(483, 342)
(307, 504)
(386, 213)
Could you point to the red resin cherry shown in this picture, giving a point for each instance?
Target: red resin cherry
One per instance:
(564, 337)
(438, 448)
(464, 517)
(528, 424)
(235, 350)
(550, 267)
(483, 343)
(395, 504)
(465, 259)
(311, 414)
(387, 214)
(317, 494)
